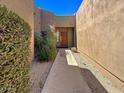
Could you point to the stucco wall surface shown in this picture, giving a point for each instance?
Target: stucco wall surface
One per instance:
(24, 8)
(100, 33)
(37, 19)
(48, 18)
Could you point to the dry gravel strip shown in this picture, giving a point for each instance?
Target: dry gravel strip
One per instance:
(39, 73)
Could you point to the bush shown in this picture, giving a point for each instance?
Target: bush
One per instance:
(51, 44)
(15, 54)
(46, 46)
(40, 51)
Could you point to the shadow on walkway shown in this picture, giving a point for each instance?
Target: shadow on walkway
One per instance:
(92, 82)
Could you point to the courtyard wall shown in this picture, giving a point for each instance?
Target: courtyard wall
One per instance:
(100, 35)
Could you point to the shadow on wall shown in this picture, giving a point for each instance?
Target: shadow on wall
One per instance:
(92, 82)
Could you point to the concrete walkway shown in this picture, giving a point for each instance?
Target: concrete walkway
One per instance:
(64, 78)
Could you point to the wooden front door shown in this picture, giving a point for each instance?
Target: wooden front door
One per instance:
(64, 39)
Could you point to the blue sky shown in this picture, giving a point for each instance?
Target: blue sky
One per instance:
(59, 7)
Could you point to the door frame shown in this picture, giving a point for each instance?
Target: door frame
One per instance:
(67, 30)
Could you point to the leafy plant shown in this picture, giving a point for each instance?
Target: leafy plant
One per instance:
(39, 41)
(51, 44)
(15, 54)
(46, 46)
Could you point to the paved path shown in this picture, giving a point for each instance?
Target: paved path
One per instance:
(64, 78)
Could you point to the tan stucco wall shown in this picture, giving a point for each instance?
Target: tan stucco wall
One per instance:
(100, 34)
(49, 18)
(24, 8)
(37, 19)
(71, 38)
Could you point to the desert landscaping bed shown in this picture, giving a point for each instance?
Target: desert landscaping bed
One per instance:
(39, 73)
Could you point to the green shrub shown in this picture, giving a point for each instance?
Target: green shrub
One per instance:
(46, 47)
(40, 51)
(15, 54)
(51, 44)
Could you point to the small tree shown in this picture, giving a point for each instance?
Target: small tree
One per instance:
(51, 44)
(46, 46)
(38, 43)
